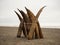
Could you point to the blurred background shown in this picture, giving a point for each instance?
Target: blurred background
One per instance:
(50, 16)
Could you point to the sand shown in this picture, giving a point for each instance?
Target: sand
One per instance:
(8, 37)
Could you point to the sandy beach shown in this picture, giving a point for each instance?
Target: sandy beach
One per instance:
(8, 37)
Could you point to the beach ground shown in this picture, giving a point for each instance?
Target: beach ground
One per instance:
(8, 37)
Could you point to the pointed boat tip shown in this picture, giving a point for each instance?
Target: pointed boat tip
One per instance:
(15, 11)
(26, 8)
(18, 9)
(44, 6)
(21, 11)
